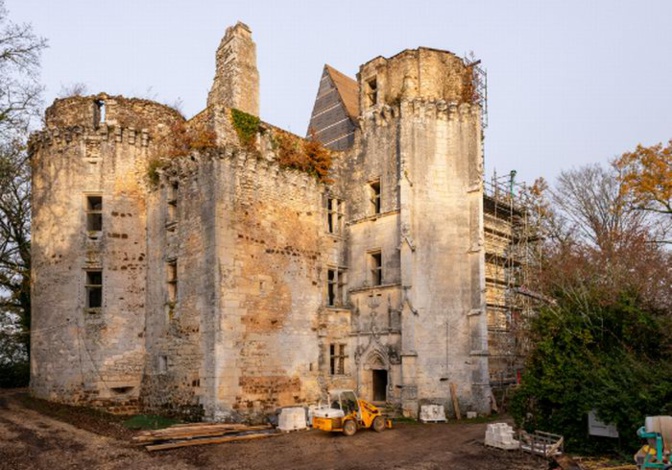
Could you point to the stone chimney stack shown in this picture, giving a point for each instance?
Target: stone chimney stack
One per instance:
(236, 83)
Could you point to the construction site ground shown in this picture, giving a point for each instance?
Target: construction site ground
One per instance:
(38, 435)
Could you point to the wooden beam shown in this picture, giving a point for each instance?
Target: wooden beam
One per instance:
(206, 441)
(456, 405)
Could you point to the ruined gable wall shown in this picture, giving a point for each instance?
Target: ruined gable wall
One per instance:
(80, 353)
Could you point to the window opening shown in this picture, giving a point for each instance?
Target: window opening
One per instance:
(94, 213)
(171, 280)
(372, 91)
(94, 289)
(337, 357)
(335, 283)
(99, 112)
(374, 190)
(172, 202)
(335, 215)
(376, 266)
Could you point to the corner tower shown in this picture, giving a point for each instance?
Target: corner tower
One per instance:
(236, 83)
(416, 232)
(89, 182)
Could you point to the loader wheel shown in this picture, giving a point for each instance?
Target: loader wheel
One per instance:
(378, 424)
(349, 427)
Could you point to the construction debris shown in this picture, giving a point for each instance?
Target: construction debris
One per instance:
(456, 404)
(432, 414)
(200, 434)
(292, 419)
(541, 443)
(500, 435)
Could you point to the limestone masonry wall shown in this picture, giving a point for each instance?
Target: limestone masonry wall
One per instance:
(189, 267)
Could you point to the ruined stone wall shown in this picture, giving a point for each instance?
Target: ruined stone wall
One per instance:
(419, 73)
(272, 283)
(91, 346)
(180, 285)
(241, 338)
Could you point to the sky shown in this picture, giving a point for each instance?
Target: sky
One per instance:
(570, 82)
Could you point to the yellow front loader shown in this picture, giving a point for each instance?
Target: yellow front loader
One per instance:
(346, 413)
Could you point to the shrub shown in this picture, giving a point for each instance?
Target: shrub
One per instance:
(613, 358)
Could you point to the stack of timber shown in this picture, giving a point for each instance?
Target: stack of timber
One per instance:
(196, 434)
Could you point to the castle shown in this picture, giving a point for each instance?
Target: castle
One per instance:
(213, 267)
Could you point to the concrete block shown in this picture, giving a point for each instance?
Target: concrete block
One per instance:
(432, 414)
(500, 435)
(292, 419)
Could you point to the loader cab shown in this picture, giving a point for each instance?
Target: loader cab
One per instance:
(344, 400)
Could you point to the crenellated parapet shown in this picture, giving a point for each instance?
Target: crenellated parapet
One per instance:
(104, 133)
(250, 165)
(419, 108)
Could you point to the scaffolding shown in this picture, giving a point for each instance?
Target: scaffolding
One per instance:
(511, 254)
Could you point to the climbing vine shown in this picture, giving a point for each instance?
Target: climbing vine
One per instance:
(180, 141)
(309, 155)
(246, 126)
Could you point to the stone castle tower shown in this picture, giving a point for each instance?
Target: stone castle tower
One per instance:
(205, 274)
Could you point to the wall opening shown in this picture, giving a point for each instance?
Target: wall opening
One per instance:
(379, 382)
(337, 357)
(335, 284)
(99, 112)
(171, 280)
(374, 193)
(376, 268)
(371, 91)
(94, 213)
(335, 215)
(171, 199)
(94, 289)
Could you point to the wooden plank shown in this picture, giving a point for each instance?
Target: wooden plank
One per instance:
(206, 441)
(197, 426)
(186, 433)
(456, 405)
(200, 425)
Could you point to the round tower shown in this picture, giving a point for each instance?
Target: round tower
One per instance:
(91, 175)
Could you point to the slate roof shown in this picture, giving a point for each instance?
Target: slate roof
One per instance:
(336, 109)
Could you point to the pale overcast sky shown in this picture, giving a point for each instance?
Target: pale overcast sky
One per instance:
(569, 82)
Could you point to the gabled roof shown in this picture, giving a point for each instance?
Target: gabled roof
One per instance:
(336, 110)
(348, 89)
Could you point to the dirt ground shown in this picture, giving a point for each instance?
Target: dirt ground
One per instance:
(38, 435)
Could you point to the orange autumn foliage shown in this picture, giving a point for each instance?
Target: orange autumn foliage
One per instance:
(646, 176)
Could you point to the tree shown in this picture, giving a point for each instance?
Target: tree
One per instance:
(646, 175)
(20, 90)
(599, 235)
(20, 94)
(605, 342)
(590, 201)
